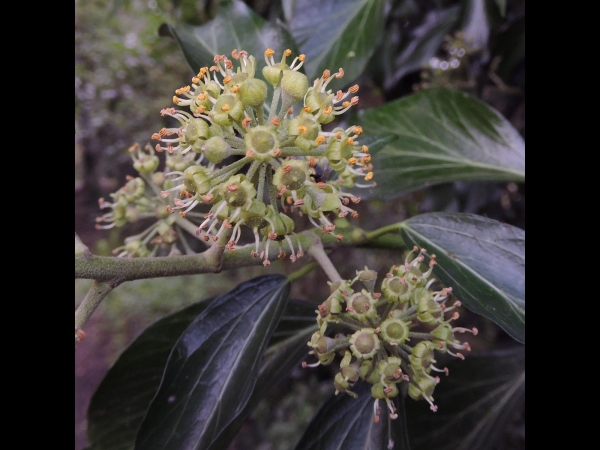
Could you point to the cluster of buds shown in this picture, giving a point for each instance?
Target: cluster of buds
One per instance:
(250, 162)
(395, 333)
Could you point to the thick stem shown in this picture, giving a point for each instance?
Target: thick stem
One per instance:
(92, 299)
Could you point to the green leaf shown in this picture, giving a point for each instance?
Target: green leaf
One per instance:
(476, 402)
(287, 348)
(120, 402)
(502, 7)
(347, 423)
(212, 369)
(443, 135)
(337, 33)
(423, 43)
(482, 259)
(235, 26)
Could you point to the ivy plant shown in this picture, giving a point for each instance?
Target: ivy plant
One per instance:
(267, 154)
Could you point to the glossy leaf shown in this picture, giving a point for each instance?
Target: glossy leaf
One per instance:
(423, 43)
(337, 33)
(287, 348)
(120, 402)
(443, 135)
(213, 367)
(235, 26)
(482, 259)
(347, 423)
(475, 403)
(279, 360)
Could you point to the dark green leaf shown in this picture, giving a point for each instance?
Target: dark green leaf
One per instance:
(235, 26)
(442, 135)
(337, 33)
(120, 402)
(475, 403)
(424, 42)
(482, 259)
(502, 7)
(287, 348)
(212, 369)
(347, 423)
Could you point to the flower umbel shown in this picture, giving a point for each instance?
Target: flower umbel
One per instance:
(244, 161)
(396, 333)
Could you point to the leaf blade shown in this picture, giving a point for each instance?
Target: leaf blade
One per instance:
(212, 369)
(122, 398)
(482, 259)
(443, 135)
(338, 33)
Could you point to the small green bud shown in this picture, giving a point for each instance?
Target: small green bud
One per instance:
(253, 92)
(215, 149)
(294, 85)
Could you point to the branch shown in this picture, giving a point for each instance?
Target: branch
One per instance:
(92, 299)
(318, 253)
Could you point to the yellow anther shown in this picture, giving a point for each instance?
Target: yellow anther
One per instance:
(227, 79)
(269, 52)
(366, 159)
(353, 89)
(200, 109)
(162, 131)
(213, 68)
(306, 109)
(328, 110)
(246, 122)
(350, 141)
(290, 111)
(225, 107)
(235, 89)
(302, 57)
(176, 100)
(195, 80)
(275, 121)
(340, 73)
(229, 65)
(326, 74)
(287, 52)
(178, 91)
(235, 54)
(339, 95)
(354, 100)
(358, 130)
(368, 176)
(156, 136)
(352, 161)
(346, 104)
(202, 97)
(365, 149)
(302, 129)
(320, 140)
(338, 135)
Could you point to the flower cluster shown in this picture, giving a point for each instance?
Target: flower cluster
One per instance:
(250, 162)
(395, 333)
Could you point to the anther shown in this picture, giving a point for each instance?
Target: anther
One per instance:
(232, 187)
(275, 121)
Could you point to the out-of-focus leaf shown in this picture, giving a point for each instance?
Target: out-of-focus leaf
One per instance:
(502, 7)
(510, 48)
(423, 43)
(120, 402)
(347, 423)
(298, 315)
(482, 259)
(443, 135)
(288, 9)
(213, 367)
(475, 24)
(235, 26)
(337, 33)
(475, 403)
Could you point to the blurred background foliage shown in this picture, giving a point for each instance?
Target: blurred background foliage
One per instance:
(127, 66)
